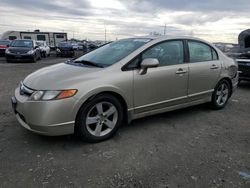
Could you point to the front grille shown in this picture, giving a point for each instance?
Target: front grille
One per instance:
(24, 90)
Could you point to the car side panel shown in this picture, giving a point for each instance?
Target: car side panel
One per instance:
(203, 76)
(160, 87)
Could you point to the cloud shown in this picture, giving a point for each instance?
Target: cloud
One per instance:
(213, 20)
(40, 7)
(189, 5)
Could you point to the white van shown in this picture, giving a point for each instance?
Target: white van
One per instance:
(51, 38)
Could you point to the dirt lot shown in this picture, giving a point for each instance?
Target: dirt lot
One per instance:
(193, 147)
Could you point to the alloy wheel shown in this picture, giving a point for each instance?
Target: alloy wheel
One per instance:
(101, 119)
(222, 94)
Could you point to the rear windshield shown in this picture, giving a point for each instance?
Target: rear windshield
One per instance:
(22, 43)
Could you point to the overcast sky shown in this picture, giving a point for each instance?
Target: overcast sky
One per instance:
(213, 20)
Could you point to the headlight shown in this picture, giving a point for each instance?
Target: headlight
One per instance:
(58, 50)
(30, 52)
(7, 51)
(52, 95)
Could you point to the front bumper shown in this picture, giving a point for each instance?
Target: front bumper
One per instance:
(21, 57)
(51, 118)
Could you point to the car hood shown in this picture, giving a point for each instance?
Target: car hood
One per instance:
(60, 76)
(19, 49)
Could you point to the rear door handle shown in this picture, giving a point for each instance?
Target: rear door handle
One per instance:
(181, 71)
(214, 66)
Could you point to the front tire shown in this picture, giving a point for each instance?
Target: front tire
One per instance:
(99, 118)
(221, 95)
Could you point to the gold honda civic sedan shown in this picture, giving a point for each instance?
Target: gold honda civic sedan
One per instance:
(95, 94)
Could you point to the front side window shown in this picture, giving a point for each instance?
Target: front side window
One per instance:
(167, 53)
(199, 52)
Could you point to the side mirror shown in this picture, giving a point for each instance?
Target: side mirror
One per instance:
(148, 63)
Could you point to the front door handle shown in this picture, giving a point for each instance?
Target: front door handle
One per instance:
(214, 66)
(181, 71)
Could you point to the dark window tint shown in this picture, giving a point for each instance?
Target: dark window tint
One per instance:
(12, 37)
(60, 36)
(27, 37)
(41, 37)
(134, 64)
(167, 53)
(199, 52)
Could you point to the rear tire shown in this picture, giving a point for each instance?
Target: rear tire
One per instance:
(99, 118)
(221, 95)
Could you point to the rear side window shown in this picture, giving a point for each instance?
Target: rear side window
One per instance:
(167, 53)
(199, 52)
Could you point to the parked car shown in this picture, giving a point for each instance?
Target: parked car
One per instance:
(4, 44)
(44, 48)
(65, 49)
(75, 46)
(122, 81)
(23, 50)
(244, 68)
(92, 47)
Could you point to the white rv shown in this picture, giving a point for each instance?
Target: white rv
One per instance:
(51, 38)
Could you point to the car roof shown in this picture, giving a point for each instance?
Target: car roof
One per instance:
(169, 37)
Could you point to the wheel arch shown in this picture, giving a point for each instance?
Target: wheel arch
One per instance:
(114, 94)
(230, 84)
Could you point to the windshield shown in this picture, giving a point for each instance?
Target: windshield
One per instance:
(4, 42)
(113, 52)
(64, 45)
(22, 43)
(40, 43)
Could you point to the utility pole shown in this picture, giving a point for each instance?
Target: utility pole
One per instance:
(165, 26)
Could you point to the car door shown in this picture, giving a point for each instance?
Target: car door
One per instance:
(204, 69)
(164, 85)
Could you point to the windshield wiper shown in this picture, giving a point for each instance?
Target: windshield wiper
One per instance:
(88, 63)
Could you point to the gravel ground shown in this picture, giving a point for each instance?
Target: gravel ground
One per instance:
(193, 147)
